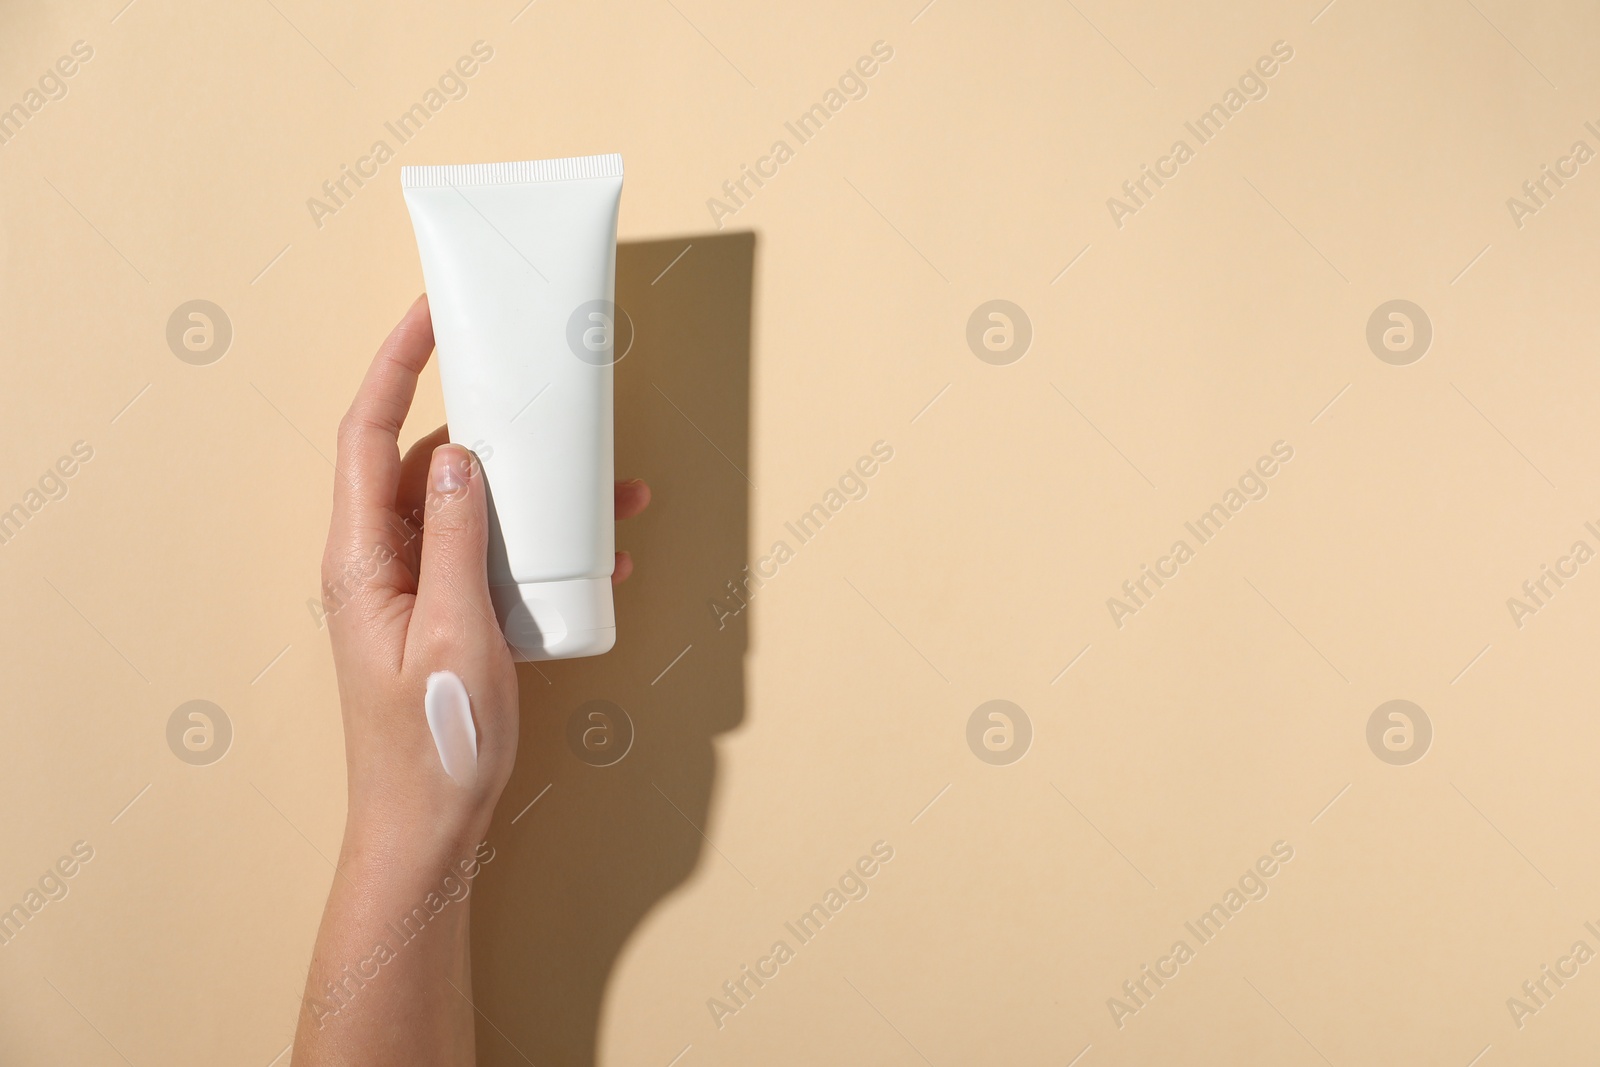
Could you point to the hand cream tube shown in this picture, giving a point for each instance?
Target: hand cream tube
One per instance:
(519, 260)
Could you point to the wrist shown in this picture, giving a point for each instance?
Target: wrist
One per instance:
(410, 852)
(401, 877)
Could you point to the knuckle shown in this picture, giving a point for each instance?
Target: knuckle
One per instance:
(457, 535)
(445, 639)
(335, 562)
(347, 427)
(355, 425)
(445, 516)
(453, 509)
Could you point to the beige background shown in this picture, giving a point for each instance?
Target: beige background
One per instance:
(828, 314)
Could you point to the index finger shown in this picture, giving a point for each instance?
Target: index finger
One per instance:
(368, 461)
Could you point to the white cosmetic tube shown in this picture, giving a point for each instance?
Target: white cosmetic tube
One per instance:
(519, 260)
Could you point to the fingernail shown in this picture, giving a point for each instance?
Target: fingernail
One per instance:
(446, 475)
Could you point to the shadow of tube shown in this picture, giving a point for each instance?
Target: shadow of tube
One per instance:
(576, 872)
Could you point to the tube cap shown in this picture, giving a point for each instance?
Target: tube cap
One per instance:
(556, 620)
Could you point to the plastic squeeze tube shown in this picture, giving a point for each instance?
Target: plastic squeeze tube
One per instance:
(520, 260)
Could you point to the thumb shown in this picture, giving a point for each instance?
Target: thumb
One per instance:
(453, 586)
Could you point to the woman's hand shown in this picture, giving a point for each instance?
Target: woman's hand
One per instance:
(405, 588)
(407, 594)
